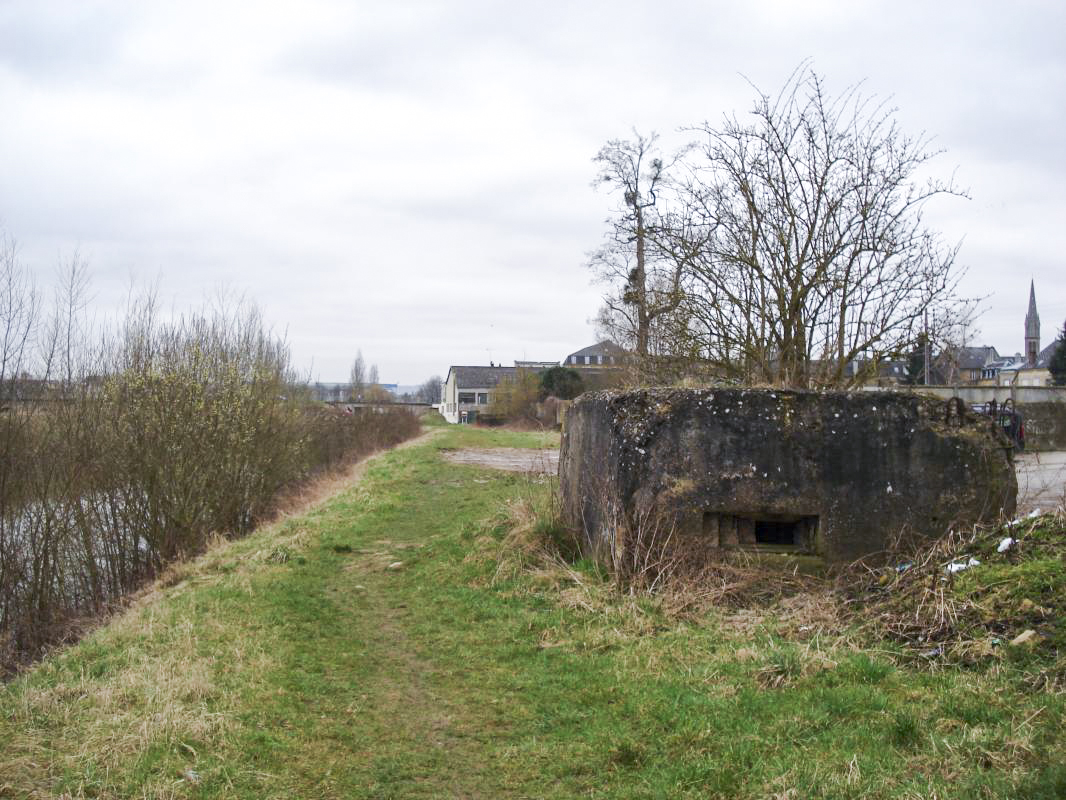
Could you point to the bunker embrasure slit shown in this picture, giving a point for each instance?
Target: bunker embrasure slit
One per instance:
(785, 533)
(760, 531)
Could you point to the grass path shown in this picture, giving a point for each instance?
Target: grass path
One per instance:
(373, 648)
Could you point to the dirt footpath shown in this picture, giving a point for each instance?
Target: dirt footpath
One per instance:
(1041, 481)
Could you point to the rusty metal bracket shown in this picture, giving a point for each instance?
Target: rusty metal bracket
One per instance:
(954, 412)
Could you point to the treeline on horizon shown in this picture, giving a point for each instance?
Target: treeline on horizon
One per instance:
(132, 447)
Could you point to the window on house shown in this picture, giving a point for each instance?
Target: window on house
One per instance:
(467, 397)
(482, 398)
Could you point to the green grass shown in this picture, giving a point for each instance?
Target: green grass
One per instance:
(392, 642)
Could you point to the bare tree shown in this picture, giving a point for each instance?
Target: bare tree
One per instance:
(815, 262)
(375, 392)
(127, 447)
(430, 391)
(643, 258)
(20, 306)
(358, 376)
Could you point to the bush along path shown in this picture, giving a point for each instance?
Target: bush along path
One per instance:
(410, 637)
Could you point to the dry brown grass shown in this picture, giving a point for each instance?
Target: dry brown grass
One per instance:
(654, 576)
(160, 694)
(921, 604)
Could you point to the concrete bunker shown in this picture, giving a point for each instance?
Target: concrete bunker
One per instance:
(834, 474)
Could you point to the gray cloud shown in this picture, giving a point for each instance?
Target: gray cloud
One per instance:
(413, 178)
(51, 43)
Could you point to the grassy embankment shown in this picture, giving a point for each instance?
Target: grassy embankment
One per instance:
(388, 643)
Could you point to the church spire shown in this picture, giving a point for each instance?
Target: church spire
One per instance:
(1032, 329)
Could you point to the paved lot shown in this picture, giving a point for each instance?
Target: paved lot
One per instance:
(511, 459)
(1041, 481)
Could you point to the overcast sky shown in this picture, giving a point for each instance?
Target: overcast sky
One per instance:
(413, 178)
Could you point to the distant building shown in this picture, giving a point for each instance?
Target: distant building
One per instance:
(986, 367)
(970, 365)
(1030, 369)
(330, 392)
(601, 354)
(1032, 329)
(334, 392)
(468, 391)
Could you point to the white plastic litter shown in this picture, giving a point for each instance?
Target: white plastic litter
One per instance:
(959, 566)
(1036, 512)
(1005, 544)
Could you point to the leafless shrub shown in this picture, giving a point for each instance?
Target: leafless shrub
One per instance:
(125, 451)
(636, 544)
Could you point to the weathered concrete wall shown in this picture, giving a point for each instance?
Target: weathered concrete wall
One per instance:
(1043, 408)
(1020, 395)
(1045, 425)
(837, 474)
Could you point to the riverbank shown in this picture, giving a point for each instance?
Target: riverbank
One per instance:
(403, 638)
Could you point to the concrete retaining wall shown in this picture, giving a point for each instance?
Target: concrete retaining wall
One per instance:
(1043, 408)
(1022, 395)
(1045, 425)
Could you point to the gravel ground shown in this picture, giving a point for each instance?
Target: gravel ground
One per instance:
(511, 459)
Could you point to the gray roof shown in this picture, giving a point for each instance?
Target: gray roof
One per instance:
(604, 348)
(1044, 358)
(972, 357)
(480, 377)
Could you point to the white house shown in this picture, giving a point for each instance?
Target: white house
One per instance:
(468, 391)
